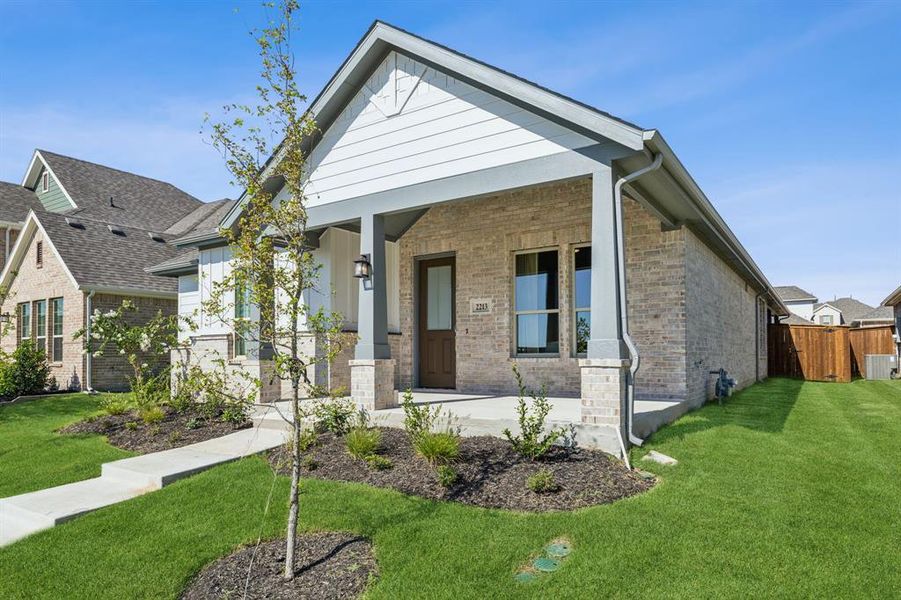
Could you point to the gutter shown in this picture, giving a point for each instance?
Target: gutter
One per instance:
(635, 358)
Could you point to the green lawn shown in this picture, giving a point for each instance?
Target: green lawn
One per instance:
(790, 489)
(33, 457)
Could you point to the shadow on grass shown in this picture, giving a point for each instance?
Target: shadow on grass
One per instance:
(764, 406)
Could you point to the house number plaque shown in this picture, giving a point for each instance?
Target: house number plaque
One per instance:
(480, 306)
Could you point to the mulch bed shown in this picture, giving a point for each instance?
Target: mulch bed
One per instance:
(172, 432)
(490, 473)
(330, 565)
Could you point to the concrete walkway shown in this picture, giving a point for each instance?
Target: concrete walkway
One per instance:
(122, 480)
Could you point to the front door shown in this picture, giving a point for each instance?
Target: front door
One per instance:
(437, 340)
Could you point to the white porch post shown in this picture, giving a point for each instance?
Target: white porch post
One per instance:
(604, 371)
(372, 370)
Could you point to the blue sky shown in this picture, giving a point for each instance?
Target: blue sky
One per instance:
(788, 116)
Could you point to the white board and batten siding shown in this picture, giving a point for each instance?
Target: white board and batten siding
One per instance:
(188, 301)
(409, 124)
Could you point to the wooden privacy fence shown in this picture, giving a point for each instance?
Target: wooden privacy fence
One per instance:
(869, 340)
(811, 352)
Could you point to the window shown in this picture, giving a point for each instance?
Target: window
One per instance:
(24, 321)
(39, 254)
(45, 181)
(825, 319)
(581, 298)
(536, 305)
(242, 313)
(56, 330)
(40, 324)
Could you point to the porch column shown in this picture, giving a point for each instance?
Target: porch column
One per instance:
(605, 369)
(372, 369)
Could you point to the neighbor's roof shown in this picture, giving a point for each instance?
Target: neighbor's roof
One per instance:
(205, 217)
(880, 313)
(794, 319)
(100, 259)
(138, 201)
(16, 201)
(792, 293)
(893, 298)
(851, 309)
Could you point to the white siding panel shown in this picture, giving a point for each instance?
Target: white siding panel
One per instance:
(188, 301)
(444, 127)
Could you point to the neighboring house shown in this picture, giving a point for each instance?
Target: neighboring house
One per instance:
(827, 314)
(851, 312)
(487, 208)
(15, 204)
(88, 233)
(799, 302)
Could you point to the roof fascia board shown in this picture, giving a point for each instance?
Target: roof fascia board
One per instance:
(12, 265)
(30, 178)
(138, 292)
(893, 298)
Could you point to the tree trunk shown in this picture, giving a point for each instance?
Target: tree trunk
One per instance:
(295, 481)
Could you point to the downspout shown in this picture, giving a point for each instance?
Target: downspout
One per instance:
(87, 338)
(757, 336)
(634, 358)
(6, 248)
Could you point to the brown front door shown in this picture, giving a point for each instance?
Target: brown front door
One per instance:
(437, 340)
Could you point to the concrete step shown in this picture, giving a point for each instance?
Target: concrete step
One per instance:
(124, 479)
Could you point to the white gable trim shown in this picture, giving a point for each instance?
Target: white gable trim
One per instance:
(31, 175)
(824, 305)
(21, 247)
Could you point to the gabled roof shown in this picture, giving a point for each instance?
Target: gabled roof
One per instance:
(894, 298)
(137, 201)
(205, 217)
(880, 313)
(794, 319)
(792, 293)
(850, 308)
(681, 199)
(15, 202)
(96, 257)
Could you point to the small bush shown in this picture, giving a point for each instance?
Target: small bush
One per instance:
(532, 441)
(308, 439)
(379, 463)
(131, 426)
(437, 448)
(174, 437)
(542, 482)
(234, 414)
(334, 415)
(151, 391)
(447, 476)
(115, 405)
(152, 415)
(309, 463)
(362, 442)
(194, 423)
(418, 418)
(26, 373)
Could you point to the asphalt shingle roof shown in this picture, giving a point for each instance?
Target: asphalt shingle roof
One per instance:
(203, 218)
(99, 258)
(16, 201)
(793, 292)
(881, 313)
(138, 201)
(851, 309)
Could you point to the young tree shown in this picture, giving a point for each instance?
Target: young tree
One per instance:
(272, 267)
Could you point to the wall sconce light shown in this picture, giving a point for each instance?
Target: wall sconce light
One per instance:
(5, 318)
(362, 267)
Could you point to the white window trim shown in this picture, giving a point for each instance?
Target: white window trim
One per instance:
(515, 313)
(45, 182)
(25, 335)
(37, 327)
(52, 316)
(576, 309)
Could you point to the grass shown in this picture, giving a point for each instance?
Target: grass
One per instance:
(790, 489)
(33, 456)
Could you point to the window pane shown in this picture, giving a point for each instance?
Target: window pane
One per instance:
(57, 349)
(26, 321)
(40, 313)
(583, 330)
(583, 278)
(537, 334)
(440, 300)
(58, 316)
(536, 281)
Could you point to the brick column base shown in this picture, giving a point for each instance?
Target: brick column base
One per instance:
(604, 391)
(372, 383)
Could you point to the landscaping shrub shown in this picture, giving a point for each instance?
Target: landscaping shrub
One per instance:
(334, 415)
(115, 405)
(27, 372)
(542, 482)
(437, 448)
(532, 441)
(447, 476)
(234, 414)
(194, 423)
(308, 439)
(150, 391)
(418, 418)
(152, 415)
(363, 442)
(379, 463)
(131, 426)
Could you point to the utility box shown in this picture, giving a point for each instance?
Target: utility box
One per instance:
(879, 366)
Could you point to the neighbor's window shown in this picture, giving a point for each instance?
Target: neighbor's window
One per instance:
(45, 181)
(581, 298)
(825, 319)
(39, 254)
(56, 329)
(242, 313)
(536, 303)
(24, 321)
(40, 324)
